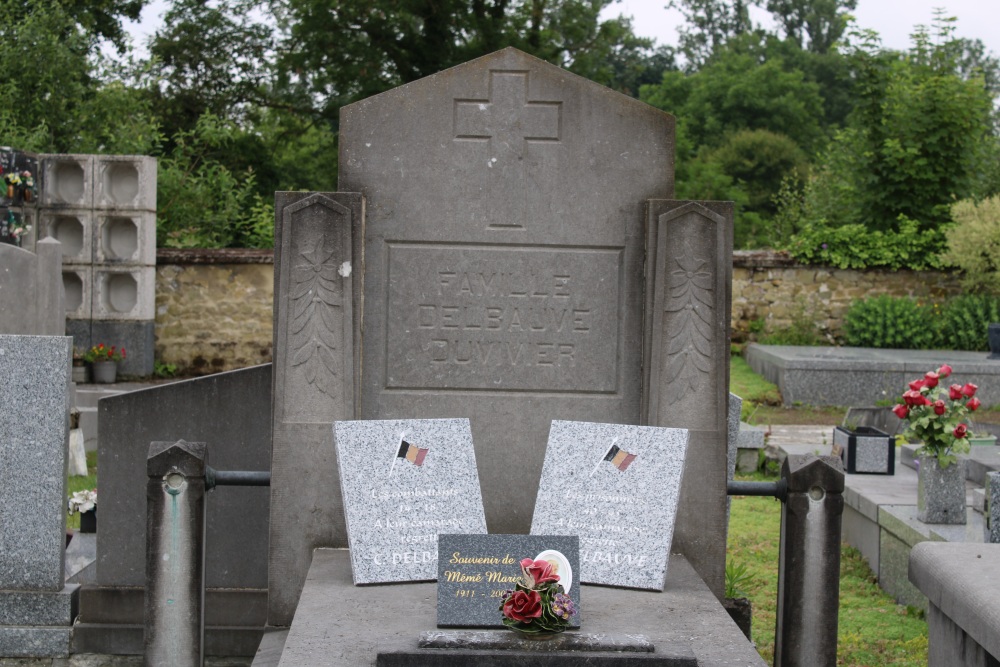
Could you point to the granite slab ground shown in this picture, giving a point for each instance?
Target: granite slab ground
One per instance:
(684, 617)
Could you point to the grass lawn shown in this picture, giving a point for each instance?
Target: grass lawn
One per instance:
(872, 629)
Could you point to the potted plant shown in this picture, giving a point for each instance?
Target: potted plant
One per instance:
(81, 371)
(85, 502)
(104, 361)
(737, 604)
(939, 417)
(538, 607)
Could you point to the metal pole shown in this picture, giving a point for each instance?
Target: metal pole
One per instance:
(809, 562)
(175, 554)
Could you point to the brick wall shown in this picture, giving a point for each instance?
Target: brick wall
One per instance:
(214, 307)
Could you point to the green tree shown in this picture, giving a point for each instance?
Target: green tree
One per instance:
(708, 25)
(917, 139)
(815, 25)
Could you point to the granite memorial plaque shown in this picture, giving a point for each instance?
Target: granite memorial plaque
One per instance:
(617, 487)
(403, 482)
(474, 572)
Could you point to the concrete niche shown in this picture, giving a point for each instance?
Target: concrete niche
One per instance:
(125, 182)
(119, 239)
(77, 290)
(123, 294)
(68, 180)
(72, 230)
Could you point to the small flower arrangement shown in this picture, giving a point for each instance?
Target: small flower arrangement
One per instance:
(14, 228)
(102, 352)
(82, 501)
(937, 416)
(538, 603)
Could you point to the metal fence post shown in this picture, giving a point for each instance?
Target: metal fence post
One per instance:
(175, 554)
(809, 562)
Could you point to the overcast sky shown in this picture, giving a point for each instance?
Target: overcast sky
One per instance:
(892, 19)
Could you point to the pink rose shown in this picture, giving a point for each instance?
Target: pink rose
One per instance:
(930, 379)
(523, 606)
(916, 385)
(944, 371)
(960, 431)
(955, 392)
(537, 572)
(969, 390)
(939, 407)
(901, 411)
(973, 404)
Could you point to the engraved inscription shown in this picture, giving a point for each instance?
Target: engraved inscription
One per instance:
(503, 318)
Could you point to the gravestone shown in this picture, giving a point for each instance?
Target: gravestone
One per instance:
(404, 482)
(36, 605)
(31, 298)
(617, 487)
(231, 413)
(516, 250)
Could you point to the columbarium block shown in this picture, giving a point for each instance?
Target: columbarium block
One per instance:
(125, 238)
(124, 294)
(68, 181)
(78, 285)
(74, 229)
(125, 182)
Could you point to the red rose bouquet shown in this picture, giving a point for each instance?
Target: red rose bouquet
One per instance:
(938, 416)
(538, 602)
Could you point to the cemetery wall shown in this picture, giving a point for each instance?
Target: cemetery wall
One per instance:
(214, 307)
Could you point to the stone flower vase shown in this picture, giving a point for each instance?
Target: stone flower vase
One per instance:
(941, 491)
(105, 372)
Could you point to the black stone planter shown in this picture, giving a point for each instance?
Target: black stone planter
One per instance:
(993, 332)
(88, 521)
(865, 450)
(741, 611)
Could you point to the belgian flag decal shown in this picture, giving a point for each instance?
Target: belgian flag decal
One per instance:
(412, 453)
(619, 458)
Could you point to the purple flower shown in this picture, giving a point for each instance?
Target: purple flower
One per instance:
(823, 246)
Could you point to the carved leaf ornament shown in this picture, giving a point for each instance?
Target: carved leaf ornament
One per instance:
(689, 338)
(315, 301)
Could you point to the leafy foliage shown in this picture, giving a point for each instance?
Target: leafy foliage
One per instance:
(854, 246)
(974, 243)
(890, 322)
(964, 321)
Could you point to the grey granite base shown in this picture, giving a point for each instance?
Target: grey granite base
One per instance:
(34, 642)
(328, 631)
(39, 607)
(506, 640)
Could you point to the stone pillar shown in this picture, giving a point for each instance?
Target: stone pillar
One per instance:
(175, 554)
(317, 237)
(37, 608)
(809, 562)
(51, 303)
(689, 249)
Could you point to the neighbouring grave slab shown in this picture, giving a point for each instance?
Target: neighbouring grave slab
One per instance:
(845, 376)
(617, 487)
(404, 482)
(31, 295)
(474, 572)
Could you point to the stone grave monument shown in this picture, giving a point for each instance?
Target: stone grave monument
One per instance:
(103, 210)
(37, 607)
(516, 260)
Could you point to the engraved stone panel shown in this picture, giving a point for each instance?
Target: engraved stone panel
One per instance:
(512, 318)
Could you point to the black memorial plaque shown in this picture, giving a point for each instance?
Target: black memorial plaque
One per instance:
(474, 571)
